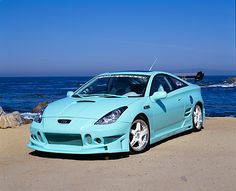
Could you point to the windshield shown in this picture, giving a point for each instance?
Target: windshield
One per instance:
(115, 86)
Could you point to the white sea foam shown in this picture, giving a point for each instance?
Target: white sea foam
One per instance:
(225, 85)
(28, 115)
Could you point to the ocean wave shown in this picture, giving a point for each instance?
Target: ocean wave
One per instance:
(219, 86)
(29, 115)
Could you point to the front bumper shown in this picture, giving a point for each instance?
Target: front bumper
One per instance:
(81, 136)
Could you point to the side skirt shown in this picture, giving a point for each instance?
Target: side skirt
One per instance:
(186, 125)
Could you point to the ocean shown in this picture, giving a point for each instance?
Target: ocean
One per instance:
(24, 93)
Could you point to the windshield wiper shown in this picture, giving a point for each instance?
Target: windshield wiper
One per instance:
(100, 95)
(77, 96)
(90, 95)
(105, 95)
(114, 96)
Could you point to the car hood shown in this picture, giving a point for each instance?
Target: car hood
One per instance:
(93, 108)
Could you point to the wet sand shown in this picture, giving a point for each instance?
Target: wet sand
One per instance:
(205, 160)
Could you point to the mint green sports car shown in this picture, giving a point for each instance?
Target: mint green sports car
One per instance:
(118, 112)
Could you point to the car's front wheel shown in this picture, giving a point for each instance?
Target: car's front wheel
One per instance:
(197, 118)
(139, 136)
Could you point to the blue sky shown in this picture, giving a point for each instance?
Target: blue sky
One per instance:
(86, 37)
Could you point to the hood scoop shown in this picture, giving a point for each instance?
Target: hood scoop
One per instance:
(85, 101)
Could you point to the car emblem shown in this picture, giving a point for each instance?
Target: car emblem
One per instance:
(64, 121)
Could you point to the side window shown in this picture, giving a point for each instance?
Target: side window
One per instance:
(160, 83)
(176, 83)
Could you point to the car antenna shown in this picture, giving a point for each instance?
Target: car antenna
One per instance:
(153, 64)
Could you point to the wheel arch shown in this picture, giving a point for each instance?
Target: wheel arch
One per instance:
(142, 116)
(200, 104)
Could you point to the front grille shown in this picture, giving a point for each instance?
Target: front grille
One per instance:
(64, 139)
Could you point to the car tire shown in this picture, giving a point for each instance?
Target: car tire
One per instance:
(139, 137)
(197, 118)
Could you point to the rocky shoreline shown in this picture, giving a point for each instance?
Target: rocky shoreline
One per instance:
(231, 80)
(16, 119)
(10, 120)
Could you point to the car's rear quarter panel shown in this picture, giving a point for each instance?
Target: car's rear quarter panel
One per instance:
(192, 97)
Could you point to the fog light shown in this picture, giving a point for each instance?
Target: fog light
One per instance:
(98, 140)
(88, 138)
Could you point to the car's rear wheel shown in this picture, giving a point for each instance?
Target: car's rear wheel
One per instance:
(139, 136)
(197, 118)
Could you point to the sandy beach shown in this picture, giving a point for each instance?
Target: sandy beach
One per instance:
(190, 161)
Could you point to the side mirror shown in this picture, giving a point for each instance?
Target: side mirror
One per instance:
(159, 95)
(69, 93)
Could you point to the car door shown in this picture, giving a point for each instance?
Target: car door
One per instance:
(167, 113)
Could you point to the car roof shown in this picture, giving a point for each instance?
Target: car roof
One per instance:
(148, 73)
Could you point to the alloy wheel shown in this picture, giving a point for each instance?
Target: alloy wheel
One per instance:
(197, 117)
(139, 135)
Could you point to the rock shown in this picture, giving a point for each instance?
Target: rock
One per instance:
(10, 120)
(1, 111)
(39, 107)
(27, 121)
(231, 80)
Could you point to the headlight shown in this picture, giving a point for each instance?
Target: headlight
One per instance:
(111, 117)
(38, 116)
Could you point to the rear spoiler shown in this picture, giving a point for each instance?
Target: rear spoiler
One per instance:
(199, 76)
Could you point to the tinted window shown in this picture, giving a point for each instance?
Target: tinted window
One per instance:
(117, 84)
(175, 83)
(160, 83)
